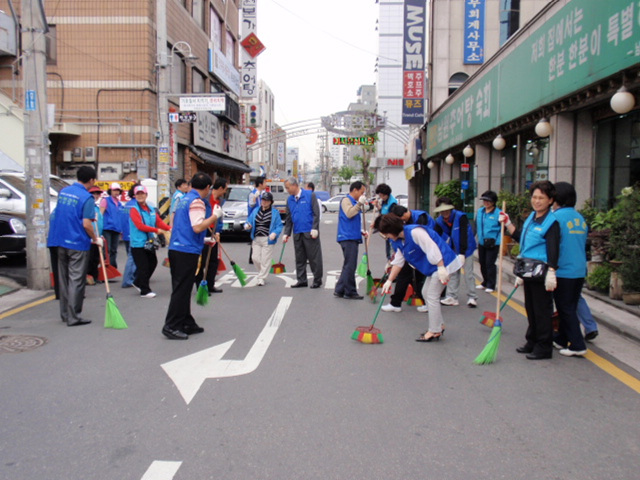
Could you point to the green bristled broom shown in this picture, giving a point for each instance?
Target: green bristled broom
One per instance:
(240, 275)
(112, 316)
(202, 295)
(490, 351)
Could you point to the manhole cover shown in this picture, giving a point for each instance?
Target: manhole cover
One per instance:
(20, 343)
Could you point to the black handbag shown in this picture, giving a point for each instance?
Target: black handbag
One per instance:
(489, 243)
(530, 269)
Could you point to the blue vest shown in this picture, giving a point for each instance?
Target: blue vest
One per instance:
(416, 256)
(488, 225)
(349, 228)
(112, 216)
(532, 242)
(415, 216)
(384, 208)
(301, 212)
(274, 227)
(572, 261)
(126, 215)
(66, 229)
(454, 233)
(250, 208)
(138, 237)
(99, 220)
(183, 238)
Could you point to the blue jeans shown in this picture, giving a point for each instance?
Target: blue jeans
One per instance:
(585, 317)
(129, 269)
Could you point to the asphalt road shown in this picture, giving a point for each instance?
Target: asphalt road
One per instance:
(99, 404)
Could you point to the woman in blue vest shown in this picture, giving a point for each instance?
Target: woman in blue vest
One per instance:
(110, 209)
(144, 224)
(454, 225)
(488, 225)
(572, 268)
(129, 274)
(265, 224)
(94, 255)
(539, 240)
(382, 203)
(426, 251)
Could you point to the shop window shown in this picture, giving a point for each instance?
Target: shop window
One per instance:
(535, 158)
(198, 82)
(198, 11)
(509, 19)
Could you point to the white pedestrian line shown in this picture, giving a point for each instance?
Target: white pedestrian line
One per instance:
(161, 470)
(189, 373)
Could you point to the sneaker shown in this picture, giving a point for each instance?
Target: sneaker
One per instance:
(452, 302)
(390, 308)
(488, 290)
(471, 303)
(567, 352)
(149, 295)
(261, 283)
(589, 337)
(423, 309)
(479, 287)
(557, 346)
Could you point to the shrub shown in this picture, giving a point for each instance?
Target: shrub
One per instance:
(451, 189)
(518, 206)
(600, 278)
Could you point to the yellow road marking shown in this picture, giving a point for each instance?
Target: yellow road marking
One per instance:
(13, 311)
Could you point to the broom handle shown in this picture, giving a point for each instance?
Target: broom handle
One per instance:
(104, 268)
(366, 240)
(225, 252)
(282, 252)
(504, 208)
(508, 298)
(378, 311)
(206, 265)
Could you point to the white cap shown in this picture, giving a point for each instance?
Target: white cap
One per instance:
(115, 186)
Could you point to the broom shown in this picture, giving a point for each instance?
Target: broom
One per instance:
(368, 276)
(112, 316)
(109, 271)
(221, 266)
(202, 295)
(489, 318)
(490, 350)
(370, 334)
(279, 267)
(242, 277)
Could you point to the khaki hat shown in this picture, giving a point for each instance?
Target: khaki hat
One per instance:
(443, 208)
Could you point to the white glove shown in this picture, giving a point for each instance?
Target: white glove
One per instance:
(209, 241)
(550, 281)
(285, 238)
(217, 211)
(519, 281)
(364, 233)
(504, 218)
(272, 236)
(314, 233)
(98, 241)
(386, 288)
(247, 226)
(461, 257)
(443, 275)
(363, 201)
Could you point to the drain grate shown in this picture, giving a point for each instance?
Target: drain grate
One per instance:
(20, 343)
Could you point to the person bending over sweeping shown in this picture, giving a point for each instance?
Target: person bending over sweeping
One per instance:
(427, 252)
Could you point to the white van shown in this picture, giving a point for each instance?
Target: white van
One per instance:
(280, 196)
(13, 191)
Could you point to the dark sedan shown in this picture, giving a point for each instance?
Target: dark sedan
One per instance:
(13, 234)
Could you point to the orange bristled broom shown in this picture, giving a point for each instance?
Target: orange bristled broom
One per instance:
(370, 334)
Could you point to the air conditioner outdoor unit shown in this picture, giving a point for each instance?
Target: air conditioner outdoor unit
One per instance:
(77, 153)
(90, 154)
(126, 167)
(66, 155)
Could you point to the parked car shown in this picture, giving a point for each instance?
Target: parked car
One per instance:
(13, 234)
(322, 195)
(333, 204)
(403, 200)
(236, 210)
(13, 191)
(280, 196)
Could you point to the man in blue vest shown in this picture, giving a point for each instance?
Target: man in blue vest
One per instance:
(72, 232)
(303, 219)
(454, 225)
(349, 237)
(112, 227)
(192, 218)
(253, 201)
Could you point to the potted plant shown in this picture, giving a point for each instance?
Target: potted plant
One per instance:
(599, 278)
(625, 240)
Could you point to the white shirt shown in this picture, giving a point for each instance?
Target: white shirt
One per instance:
(430, 248)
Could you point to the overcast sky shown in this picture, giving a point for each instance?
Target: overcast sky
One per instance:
(317, 55)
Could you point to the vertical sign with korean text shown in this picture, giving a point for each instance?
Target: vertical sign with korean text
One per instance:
(413, 67)
(249, 66)
(473, 32)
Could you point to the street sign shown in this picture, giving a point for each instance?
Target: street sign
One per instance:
(252, 135)
(465, 184)
(252, 45)
(210, 103)
(464, 167)
(187, 117)
(30, 101)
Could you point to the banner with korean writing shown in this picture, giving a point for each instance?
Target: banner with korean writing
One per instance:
(474, 32)
(413, 67)
(248, 65)
(581, 44)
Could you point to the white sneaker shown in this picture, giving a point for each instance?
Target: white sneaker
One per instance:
(488, 290)
(149, 295)
(449, 301)
(261, 283)
(572, 353)
(390, 308)
(479, 287)
(471, 303)
(423, 309)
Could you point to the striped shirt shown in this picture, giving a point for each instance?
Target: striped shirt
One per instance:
(263, 223)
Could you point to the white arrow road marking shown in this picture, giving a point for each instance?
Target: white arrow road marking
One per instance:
(161, 470)
(189, 373)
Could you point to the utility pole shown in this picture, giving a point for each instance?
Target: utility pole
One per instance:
(164, 152)
(36, 142)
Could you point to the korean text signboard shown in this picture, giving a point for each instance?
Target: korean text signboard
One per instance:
(249, 65)
(413, 67)
(473, 32)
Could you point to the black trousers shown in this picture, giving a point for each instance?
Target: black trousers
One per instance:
(539, 305)
(213, 267)
(146, 262)
(53, 254)
(94, 261)
(487, 258)
(307, 248)
(566, 296)
(347, 283)
(407, 276)
(183, 269)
